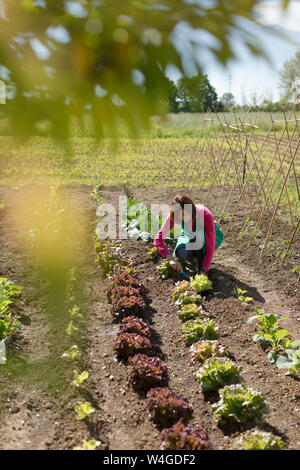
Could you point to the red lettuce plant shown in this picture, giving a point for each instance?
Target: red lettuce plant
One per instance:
(165, 407)
(129, 344)
(123, 291)
(147, 372)
(126, 306)
(135, 325)
(181, 437)
(124, 279)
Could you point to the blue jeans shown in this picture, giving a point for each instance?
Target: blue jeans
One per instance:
(189, 255)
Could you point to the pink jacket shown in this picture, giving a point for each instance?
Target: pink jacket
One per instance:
(209, 230)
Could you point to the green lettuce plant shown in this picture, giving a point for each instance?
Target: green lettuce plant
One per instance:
(180, 288)
(189, 297)
(164, 270)
(218, 372)
(205, 349)
(193, 330)
(79, 378)
(83, 410)
(258, 440)
(240, 404)
(191, 312)
(201, 283)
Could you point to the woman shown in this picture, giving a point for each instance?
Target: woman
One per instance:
(197, 240)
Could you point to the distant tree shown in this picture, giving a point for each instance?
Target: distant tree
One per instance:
(197, 95)
(289, 73)
(228, 100)
(173, 102)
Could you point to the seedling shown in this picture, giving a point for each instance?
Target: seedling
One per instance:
(79, 378)
(73, 353)
(89, 445)
(165, 270)
(239, 293)
(71, 329)
(83, 410)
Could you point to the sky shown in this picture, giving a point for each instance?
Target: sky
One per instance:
(248, 75)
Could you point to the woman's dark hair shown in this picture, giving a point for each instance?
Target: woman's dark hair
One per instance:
(185, 203)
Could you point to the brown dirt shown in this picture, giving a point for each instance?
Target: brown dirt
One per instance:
(39, 416)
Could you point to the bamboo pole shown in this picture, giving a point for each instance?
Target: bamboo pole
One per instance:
(278, 200)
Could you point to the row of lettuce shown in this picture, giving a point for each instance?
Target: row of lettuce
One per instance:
(216, 371)
(147, 374)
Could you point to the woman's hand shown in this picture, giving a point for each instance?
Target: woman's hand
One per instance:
(175, 264)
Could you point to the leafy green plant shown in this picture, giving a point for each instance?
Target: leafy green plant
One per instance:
(271, 332)
(165, 270)
(193, 330)
(88, 445)
(71, 329)
(217, 372)
(96, 194)
(165, 407)
(129, 344)
(135, 325)
(239, 403)
(201, 283)
(8, 325)
(291, 362)
(258, 440)
(181, 437)
(181, 287)
(189, 298)
(147, 372)
(191, 312)
(205, 349)
(79, 378)
(83, 410)
(73, 353)
(239, 293)
(153, 253)
(75, 312)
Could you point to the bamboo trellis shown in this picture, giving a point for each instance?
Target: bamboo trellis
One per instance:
(249, 178)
